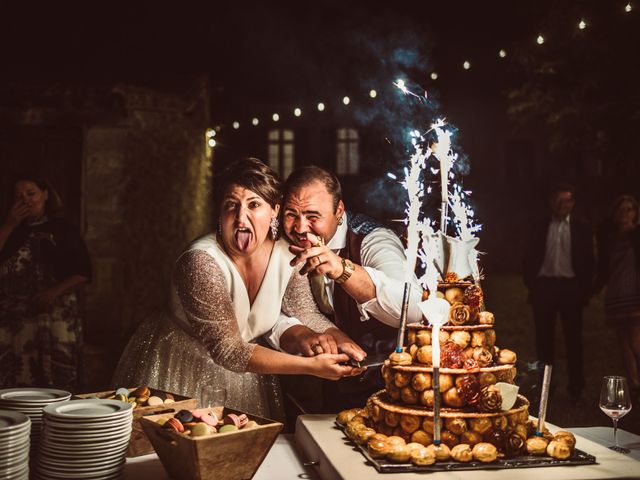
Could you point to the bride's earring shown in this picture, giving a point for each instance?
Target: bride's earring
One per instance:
(274, 227)
(340, 221)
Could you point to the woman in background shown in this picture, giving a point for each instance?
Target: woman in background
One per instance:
(43, 262)
(619, 269)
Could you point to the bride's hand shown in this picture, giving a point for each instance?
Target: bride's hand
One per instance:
(327, 365)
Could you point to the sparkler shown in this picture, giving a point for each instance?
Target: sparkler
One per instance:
(436, 310)
(416, 192)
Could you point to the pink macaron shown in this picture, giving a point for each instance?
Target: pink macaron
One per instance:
(175, 424)
(238, 420)
(209, 418)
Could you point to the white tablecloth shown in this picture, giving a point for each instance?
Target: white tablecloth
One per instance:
(284, 462)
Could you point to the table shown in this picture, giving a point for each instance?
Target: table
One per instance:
(322, 442)
(285, 459)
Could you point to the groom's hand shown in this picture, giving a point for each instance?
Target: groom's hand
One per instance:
(303, 340)
(318, 259)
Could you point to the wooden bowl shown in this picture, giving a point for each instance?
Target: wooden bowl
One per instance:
(223, 456)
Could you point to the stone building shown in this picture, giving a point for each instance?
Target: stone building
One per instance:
(131, 162)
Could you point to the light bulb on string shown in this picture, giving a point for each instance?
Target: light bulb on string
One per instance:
(255, 121)
(540, 40)
(502, 53)
(373, 93)
(466, 65)
(434, 76)
(346, 100)
(297, 112)
(321, 107)
(212, 142)
(275, 117)
(582, 24)
(236, 125)
(628, 7)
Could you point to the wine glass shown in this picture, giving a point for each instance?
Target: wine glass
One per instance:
(616, 403)
(213, 396)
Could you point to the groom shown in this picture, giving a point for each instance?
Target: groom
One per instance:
(356, 269)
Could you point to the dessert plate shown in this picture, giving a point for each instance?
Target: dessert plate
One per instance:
(88, 409)
(11, 421)
(33, 395)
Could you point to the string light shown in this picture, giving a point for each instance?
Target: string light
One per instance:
(212, 142)
(210, 133)
(466, 65)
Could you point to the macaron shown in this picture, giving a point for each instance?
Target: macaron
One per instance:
(122, 391)
(184, 416)
(154, 401)
(209, 418)
(200, 429)
(141, 392)
(175, 424)
(238, 420)
(122, 398)
(250, 424)
(227, 428)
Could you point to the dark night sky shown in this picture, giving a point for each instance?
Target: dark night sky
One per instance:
(259, 52)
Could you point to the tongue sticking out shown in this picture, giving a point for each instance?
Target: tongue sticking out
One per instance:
(243, 239)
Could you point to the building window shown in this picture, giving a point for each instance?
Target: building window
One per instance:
(281, 151)
(348, 154)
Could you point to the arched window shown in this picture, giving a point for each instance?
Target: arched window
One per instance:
(348, 154)
(281, 151)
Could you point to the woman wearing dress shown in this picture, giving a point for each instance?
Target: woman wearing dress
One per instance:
(43, 262)
(229, 291)
(619, 270)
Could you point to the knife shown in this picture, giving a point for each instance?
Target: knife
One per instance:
(373, 360)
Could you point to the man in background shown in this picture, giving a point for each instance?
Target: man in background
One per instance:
(559, 266)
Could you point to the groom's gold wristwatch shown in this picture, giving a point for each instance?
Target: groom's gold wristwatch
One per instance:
(347, 269)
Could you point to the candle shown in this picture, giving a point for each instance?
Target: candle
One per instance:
(544, 396)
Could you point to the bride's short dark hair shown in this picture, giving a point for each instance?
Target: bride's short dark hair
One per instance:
(252, 174)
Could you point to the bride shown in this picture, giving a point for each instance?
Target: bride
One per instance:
(229, 291)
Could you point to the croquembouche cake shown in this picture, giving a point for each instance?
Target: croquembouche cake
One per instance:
(482, 417)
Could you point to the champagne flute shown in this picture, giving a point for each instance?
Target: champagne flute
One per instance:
(616, 403)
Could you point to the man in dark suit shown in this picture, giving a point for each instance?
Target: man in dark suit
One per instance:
(559, 267)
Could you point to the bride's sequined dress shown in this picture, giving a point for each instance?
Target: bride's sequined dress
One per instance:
(209, 333)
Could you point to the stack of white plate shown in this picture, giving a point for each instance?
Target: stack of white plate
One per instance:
(84, 439)
(15, 429)
(31, 402)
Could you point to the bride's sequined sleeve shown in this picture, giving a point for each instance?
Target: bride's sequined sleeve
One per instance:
(298, 302)
(201, 287)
